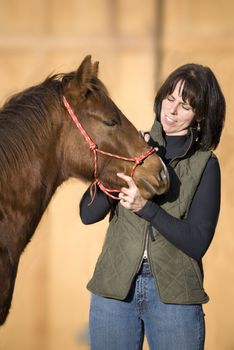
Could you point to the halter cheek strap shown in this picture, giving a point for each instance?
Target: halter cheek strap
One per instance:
(93, 147)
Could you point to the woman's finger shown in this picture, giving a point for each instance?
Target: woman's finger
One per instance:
(128, 179)
(146, 137)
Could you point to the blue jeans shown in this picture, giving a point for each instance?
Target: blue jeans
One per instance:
(121, 325)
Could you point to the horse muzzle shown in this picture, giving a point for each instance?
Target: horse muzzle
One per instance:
(154, 184)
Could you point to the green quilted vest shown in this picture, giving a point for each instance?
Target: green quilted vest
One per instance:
(178, 278)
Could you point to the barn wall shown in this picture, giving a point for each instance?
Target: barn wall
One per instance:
(138, 44)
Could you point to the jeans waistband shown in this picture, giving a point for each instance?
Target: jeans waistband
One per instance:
(145, 268)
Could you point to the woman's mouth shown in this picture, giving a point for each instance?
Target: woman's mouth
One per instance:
(170, 120)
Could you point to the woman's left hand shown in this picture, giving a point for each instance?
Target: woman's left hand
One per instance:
(130, 197)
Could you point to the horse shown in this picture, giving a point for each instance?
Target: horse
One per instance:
(41, 147)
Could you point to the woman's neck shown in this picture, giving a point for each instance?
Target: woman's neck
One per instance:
(175, 146)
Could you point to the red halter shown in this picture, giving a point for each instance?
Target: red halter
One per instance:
(137, 160)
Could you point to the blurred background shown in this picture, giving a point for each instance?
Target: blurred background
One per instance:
(138, 43)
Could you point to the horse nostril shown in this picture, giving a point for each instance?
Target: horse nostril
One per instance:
(163, 175)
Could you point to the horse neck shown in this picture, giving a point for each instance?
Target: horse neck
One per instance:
(26, 191)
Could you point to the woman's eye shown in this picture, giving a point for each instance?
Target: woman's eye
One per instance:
(186, 106)
(110, 122)
(170, 98)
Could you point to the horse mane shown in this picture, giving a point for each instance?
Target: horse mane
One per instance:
(24, 123)
(25, 119)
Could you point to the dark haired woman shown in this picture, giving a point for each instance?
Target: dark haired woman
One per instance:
(149, 278)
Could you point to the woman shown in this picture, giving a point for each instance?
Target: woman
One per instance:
(149, 277)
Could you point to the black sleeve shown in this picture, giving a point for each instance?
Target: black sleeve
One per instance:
(193, 235)
(91, 212)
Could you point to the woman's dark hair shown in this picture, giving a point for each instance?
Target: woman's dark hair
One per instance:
(202, 91)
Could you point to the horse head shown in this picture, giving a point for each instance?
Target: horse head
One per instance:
(119, 146)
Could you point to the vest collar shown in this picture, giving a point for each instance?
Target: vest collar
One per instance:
(158, 140)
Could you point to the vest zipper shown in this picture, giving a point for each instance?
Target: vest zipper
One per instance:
(149, 234)
(187, 149)
(145, 253)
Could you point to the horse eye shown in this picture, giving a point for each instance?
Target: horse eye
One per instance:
(110, 122)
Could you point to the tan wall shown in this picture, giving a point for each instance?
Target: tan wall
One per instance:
(37, 37)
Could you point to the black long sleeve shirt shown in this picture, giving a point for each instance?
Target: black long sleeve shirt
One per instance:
(192, 235)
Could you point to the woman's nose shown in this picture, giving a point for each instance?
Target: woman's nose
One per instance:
(174, 107)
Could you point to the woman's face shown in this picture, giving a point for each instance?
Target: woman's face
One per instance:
(176, 115)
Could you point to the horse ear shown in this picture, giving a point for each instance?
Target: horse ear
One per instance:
(83, 80)
(95, 69)
(85, 73)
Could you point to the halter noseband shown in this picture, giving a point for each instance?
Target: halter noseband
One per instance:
(93, 147)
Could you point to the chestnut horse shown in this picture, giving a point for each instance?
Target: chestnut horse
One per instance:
(41, 147)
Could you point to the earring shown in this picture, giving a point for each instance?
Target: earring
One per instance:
(198, 127)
